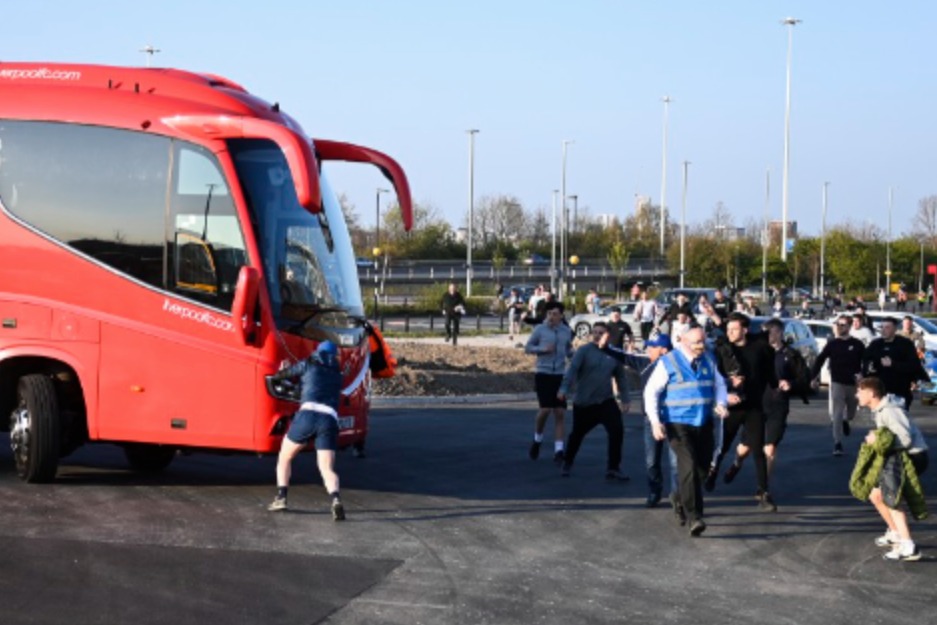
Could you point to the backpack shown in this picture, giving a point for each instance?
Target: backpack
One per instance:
(382, 364)
(800, 372)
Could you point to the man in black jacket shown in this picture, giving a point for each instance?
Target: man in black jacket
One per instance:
(453, 307)
(845, 355)
(756, 362)
(893, 359)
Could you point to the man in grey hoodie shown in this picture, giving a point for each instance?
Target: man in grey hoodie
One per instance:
(552, 342)
(590, 376)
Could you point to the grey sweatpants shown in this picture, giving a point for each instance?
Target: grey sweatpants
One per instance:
(843, 404)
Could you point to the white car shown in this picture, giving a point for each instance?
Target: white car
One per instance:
(822, 332)
(921, 324)
(582, 323)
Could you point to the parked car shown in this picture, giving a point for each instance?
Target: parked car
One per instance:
(582, 323)
(523, 290)
(822, 332)
(536, 259)
(754, 292)
(361, 261)
(929, 389)
(796, 334)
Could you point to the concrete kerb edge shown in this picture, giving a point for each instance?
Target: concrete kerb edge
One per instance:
(434, 400)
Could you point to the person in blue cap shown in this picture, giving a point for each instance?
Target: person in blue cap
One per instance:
(317, 419)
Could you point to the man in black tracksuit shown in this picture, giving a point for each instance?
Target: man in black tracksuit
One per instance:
(893, 359)
(755, 358)
(453, 307)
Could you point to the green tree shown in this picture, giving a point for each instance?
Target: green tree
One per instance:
(618, 262)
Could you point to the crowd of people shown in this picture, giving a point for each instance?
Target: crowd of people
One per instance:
(711, 389)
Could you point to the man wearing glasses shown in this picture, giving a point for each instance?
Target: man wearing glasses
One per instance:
(845, 353)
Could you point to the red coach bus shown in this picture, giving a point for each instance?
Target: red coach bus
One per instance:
(167, 239)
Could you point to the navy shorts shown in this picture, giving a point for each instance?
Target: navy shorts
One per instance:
(547, 386)
(892, 475)
(308, 424)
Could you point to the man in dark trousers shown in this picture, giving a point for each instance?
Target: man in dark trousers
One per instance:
(682, 395)
(893, 359)
(845, 355)
(453, 307)
(619, 331)
(589, 376)
(756, 361)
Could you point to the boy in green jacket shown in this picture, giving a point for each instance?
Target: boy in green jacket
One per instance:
(888, 412)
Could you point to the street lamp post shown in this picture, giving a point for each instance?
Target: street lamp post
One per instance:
(564, 217)
(377, 217)
(149, 51)
(575, 199)
(663, 178)
(790, 22)
(888, 247)
(823, 246)
(764, 239)
(686, 165)
(553, 245)
(471, 221)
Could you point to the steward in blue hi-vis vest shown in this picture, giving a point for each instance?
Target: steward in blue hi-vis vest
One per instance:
(689, 396)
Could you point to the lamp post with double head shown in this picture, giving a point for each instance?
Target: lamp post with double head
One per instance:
(686, 167)
(663, 178)
(790, 22)
(564, 230)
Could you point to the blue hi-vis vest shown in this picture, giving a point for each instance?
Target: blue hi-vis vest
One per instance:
(689, 396)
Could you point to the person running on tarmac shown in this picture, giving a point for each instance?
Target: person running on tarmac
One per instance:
(682, 395)
(453, 307)
(776, 401)
(619, 331)
(886, 496)
(317, 418)
(552, 342)
(756, 361)
(655, 346)
(590, 376)
(845, 355)
(893, 359)
(860, 330)
(646, 312)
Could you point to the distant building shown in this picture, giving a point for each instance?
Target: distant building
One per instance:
(774, 232)
(729, 233)
(606, 220)
(461, 235)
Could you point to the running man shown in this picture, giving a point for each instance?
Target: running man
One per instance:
(552, 342)
(844, 352)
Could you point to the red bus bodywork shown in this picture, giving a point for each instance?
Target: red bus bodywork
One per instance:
(89, 353)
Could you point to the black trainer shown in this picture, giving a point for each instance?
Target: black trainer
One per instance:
(559, 457)
(838, 449)
(614, 475)
(677, 509)
(766, 503)
(710, 484)
(731, 472)
(652, 500)
(338, 511)
(534, 452)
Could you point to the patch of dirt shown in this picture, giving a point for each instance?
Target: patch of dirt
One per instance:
(428, 369)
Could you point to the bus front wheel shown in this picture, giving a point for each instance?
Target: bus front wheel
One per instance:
(35, 429)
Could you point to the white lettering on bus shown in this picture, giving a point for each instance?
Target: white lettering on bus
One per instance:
(41, 73)
(199, 316)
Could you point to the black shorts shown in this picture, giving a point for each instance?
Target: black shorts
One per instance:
(547, 385)
(776, 408)
(309, 424)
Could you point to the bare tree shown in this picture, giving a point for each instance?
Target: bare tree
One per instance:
(924, 225)
(499, 219)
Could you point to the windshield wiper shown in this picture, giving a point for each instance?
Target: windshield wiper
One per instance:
(300, 325)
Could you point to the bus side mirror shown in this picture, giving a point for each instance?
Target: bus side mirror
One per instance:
(245, 303)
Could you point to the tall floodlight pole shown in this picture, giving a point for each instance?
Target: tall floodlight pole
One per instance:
(149, 51)
(888, 245)
(764, 238)
(575, 199)
(790, 22)
(471, 221)
(553, 245)
(823, 246)
(377, 218)
(663, 178)
(564, 218)
(686, 165)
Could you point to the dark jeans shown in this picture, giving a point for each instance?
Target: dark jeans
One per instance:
(646, 327)
(754, 421)
(652, 460)
(452, 327)
(585, 418)
(693, 447)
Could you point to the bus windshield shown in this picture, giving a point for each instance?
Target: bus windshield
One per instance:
(308, 261)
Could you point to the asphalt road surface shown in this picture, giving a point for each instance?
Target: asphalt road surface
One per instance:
(450, 522)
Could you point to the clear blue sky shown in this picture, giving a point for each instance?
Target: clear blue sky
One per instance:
(409, 77)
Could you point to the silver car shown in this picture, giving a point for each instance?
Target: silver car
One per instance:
(582, 323)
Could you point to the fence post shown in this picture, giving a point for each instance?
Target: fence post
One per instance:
(406, 322)
(431, 317)
(478, 322)
(382, 323)
(501, 321)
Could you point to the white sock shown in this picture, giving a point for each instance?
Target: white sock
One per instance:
(538, 438)
(558, 445)
(907, 546)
